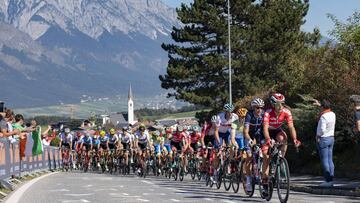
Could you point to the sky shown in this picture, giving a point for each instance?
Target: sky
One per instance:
(316, 16)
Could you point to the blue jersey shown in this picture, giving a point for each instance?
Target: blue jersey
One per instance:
(87, 140)
(113, 139)
(95, 141)
(254, 124)
(104, 140)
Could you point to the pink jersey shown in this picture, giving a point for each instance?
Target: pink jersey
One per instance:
(276, 122)
(179, 136)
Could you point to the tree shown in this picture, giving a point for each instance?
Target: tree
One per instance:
(267, 47)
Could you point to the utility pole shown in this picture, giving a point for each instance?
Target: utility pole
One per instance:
(229, 35)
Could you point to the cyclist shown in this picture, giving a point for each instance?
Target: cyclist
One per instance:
(142, 139)
(179, 142)
(96, 147)
(253, 133)
(167, 141)
(87, 143)
(195, 138)
(66, 139)
(158, 142)
(126, 142)
(239, 135)
(272, 127)
(224, 131)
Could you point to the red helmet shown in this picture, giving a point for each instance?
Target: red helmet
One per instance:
(277, 98)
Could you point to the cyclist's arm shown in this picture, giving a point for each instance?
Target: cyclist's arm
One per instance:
(107, 145)
(266, 131)
(292, 131)
(232, 134)
(217, 134)
(358, 126)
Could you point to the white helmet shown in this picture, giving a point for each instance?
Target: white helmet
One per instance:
(214, 118)
(229, 107)
(258, 102)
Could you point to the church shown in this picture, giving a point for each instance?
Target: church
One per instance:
(120, 120)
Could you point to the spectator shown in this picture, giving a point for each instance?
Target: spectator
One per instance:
(6, 129)
(19, 119)
(325, 140)
(355, 99)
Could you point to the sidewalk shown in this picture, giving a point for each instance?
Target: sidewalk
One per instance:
(310, 184)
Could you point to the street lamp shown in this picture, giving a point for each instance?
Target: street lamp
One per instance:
(229, 35)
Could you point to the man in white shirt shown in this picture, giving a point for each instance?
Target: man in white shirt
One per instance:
(325, 141)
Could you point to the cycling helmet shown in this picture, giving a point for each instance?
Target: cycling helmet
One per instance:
(112, 131)
(214, 118)
(180, 128)
(87, 134)
(142, 127)
(228, 107)
(195, 129)
(277, 98)
(258, 102)
(67, 130)
(242, 112)
(102, 133)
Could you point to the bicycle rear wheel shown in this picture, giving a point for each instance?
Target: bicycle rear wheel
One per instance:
(227, 177)
(283, 180)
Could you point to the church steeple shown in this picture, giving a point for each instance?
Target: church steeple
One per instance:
(130, 107)
(130, 93)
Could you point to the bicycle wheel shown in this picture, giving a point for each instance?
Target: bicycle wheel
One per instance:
(181, 173)
(283, 180)
(219, 178)
(227, 177)
(242, 178)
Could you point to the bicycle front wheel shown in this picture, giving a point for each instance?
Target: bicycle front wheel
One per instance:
(283, 180)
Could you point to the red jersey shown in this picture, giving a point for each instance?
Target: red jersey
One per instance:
(276, 122)
(194, 137)
(179, 136)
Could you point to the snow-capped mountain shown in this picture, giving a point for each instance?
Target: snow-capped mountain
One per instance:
(61, 49)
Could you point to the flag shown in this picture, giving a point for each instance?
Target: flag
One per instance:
(37, 147)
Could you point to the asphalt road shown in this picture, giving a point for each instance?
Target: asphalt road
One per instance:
(78, 187)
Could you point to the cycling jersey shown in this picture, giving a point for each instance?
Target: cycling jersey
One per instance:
(224, 125)
(195, 137)
(156, 140)
(142, 138)
(208, 130)
(113, 139)
(125, 138)
(103, 140)
(95, 141)
(179, 136)
(274, 121)
(255, 125)
(86, 140)
(66, 138)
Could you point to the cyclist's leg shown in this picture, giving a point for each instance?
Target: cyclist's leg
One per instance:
(282, 138)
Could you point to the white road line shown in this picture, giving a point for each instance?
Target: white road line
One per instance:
(59, 190)
(208, 199)
(16, 196)
(145, 193)
(162, 194)
(148, 182)
(151, 190)
(126, 194)
(80, 200)
(227, 201)
(78, 195)
(87, 186)
(175, 200)
(143, 200)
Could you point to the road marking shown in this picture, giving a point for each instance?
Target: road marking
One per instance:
(175, 200)
(16, 196)
(151, 190)
(162, 194)
(143, 200)
(145, 193)
(78, 195)
(87, 186)
(148, 182)
(121, 186)
(126, 194)
(59, 190)
(80, 200)
(208, 199)
(227, 201)
(123, 196)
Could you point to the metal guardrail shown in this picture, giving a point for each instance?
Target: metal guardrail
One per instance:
(11, 164)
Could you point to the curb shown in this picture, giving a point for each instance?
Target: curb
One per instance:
(325, 191)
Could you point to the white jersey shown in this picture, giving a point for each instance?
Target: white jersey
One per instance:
(126, 138)
(142, 138)
(224, 125)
